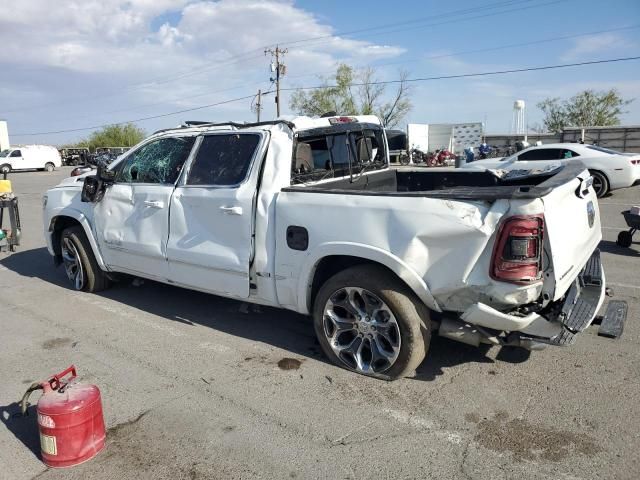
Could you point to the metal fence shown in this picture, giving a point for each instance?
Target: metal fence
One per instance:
(622, 138)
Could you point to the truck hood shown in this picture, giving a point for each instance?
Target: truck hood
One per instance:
(74, 181)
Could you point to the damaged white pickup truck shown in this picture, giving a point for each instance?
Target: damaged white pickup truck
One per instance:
(307, 215)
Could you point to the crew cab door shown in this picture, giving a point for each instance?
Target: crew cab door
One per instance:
(132, 219)
(211, 222)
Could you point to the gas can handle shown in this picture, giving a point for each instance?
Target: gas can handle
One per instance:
(55, 380)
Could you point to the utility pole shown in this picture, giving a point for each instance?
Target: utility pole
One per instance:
(280, 70)
(259, 104)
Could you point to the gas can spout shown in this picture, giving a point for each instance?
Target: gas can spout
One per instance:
(24, 404)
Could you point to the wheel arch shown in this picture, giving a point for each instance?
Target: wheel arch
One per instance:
(603, 173)
(330, 259)
(70, 218)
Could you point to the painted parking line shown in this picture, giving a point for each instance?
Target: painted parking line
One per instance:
(617, 204)
(614, 228)
(624, 285)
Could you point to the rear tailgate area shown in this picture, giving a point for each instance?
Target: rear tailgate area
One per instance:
(572, 221)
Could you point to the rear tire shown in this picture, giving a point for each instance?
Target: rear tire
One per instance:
(49, 167)
(6, 168)
(371, 323)
(600, 183)
(625, 239)
(80, 263)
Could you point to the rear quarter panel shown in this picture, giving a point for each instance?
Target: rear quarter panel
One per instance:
(445, 244)
(618, 169)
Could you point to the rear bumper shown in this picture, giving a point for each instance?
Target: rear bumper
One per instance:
(559, 322)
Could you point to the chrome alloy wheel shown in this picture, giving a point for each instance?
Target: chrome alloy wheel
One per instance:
(598, 185)
(72, 263)
(361, 330)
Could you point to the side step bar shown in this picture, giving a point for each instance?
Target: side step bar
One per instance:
(612, 323)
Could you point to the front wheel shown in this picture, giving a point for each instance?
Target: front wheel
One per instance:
(371, 323)
(625, 239)
(49, 167)
(600, 183)
(79, 262)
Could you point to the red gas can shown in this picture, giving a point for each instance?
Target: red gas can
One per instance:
(70, 420)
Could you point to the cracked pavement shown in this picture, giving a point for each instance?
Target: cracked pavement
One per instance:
(195, 386)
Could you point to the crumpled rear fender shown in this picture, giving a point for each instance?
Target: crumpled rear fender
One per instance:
(367, 252)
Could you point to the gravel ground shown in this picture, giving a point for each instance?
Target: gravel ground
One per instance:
(198, 387)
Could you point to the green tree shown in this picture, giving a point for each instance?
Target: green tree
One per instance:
(348, 93)
(126, 135)
(586, 109)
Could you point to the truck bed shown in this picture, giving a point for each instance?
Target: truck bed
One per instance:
(449, 184)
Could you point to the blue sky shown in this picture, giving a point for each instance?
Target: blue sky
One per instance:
(123, 60)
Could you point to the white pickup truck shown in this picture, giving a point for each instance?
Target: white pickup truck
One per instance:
(307, 215)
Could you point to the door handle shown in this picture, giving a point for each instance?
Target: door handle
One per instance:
(232, 210)
(153, 204)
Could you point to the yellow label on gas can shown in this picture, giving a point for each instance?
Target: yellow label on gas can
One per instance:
(5, 186)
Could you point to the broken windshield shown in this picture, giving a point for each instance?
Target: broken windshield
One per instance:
(159, 161)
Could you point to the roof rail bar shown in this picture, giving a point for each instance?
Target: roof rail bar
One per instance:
(237, 125)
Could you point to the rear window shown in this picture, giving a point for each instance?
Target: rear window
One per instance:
(608, 151)
(332, 155)
(542, 154)
(223, 160)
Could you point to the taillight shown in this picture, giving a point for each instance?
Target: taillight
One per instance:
(518, 250)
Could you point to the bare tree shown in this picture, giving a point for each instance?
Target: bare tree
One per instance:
(369, 99)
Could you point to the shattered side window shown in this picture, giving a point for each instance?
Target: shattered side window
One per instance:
(223, 159)
(159, 161)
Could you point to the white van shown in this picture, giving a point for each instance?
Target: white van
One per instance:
(30, 157)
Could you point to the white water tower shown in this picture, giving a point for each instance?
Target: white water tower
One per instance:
(518, 121)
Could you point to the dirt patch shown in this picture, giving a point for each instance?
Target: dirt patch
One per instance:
(531, 442)
(289, 364)
(472, 417)
(53, 343)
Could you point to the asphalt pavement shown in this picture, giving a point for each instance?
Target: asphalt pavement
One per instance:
(199, 387)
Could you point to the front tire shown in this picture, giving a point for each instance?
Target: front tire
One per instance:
(600, 183)
(80, 263)
(371, 323)
(624, 239)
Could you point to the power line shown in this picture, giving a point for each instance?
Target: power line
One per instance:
(377, 28)
(479, 74)
(433, 24)
(429, 57)
(95, 127)
(480, 50)
(387, 82)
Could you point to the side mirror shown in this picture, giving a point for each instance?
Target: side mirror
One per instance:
(92, 189)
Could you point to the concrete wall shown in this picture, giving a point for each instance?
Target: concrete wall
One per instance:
(622, 138)
(4, 135)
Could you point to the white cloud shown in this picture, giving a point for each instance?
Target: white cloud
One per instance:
(595, 44)
(104, 55)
